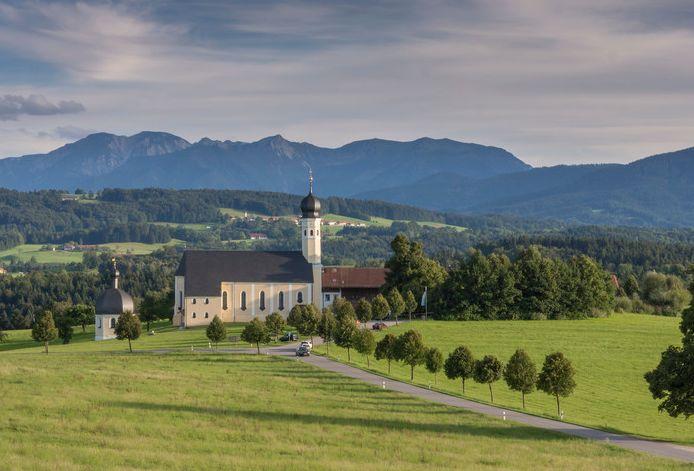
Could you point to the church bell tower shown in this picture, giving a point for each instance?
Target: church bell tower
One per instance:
(311, 240)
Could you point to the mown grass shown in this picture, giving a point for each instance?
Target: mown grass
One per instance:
(199, 411)
(166, 337)
(610, 355)
(26, 252)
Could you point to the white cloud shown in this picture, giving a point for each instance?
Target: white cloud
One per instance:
(14, 106)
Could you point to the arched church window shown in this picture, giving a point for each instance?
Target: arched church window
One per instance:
(243, 300)
(194, 316)
(180, 298)
(207, 300)
(304, 231)
(225, 301)
(207, 315)
(311, 232)
(195, 301)
(99, 326)
(280, 300)
(113, 323)
(300, 297)
(262, 300)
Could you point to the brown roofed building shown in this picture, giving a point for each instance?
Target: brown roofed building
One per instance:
(352, 283)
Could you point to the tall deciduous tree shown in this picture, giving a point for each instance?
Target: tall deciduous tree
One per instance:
(305, 318)
(488, 370)
(326, 328)
(459, 364)
(343, 309)
(156, 305)
(345, 333)
(410, 349)
(410, 269)
(672, 381)
(363, 310)
(365, 343)
(410, 303)
(216, 331)
(255, 333)
(385, 349)
(65, 330)
(520, 373)
(380, 307)
(275, 324)
(44, 329)
(536, 278)
(128, 327)
(557, 377)
(434, 361)
(396, 303)
(81, 314)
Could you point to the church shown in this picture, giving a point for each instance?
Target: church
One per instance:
(239, 286)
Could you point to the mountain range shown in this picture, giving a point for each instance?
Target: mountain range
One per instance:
(440, 174)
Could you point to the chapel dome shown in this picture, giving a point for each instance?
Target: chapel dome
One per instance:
(310, 206)
(114, 301)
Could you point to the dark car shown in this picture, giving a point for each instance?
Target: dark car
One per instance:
(289, 337)
(303, 351)
(379, 326)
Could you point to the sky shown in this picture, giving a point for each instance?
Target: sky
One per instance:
(554, 82)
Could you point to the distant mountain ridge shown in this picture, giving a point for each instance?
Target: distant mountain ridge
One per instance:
(273, 163)
(439, 174)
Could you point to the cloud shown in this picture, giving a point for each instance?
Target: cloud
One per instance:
(13, 106)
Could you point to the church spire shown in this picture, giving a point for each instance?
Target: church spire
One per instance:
(116, 273)
(310, 181)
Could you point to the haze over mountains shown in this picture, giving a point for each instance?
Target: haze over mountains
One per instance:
(434, 173)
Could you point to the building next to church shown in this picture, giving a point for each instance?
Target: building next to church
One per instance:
(239, 286)
(109, 306)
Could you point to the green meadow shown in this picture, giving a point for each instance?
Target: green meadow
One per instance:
(610, 355)
(181, 411)
(26, 252)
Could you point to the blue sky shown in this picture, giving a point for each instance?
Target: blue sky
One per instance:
(552, 82)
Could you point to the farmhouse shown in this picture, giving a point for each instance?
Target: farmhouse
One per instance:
(239, 286)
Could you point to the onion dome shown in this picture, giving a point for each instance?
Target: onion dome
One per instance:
(310, 206)
(114, 300)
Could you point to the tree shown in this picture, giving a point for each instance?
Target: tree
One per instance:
(459, 364)
(380, 307)
(128, 327)
(345, 333)
(216, 331)
(44, 329)
(3, 336)
(631, 286)
(326, 328)
(305, 318)
(520, 373)
(363, 310)
(365, 343)
(343, 309)
(557, 377)
(672, 381)
(81, 314)
(666, 293)
(411, 303)
(396, 303)
(385, 349)
(155, 305)
(488, 370)
(434, 361)
(275, 324)
(295, 316)
(65, 330)
(536, 278)
(255, 333)
(410, 269)
(410, 349)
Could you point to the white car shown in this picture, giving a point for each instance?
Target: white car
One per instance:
(307, 344)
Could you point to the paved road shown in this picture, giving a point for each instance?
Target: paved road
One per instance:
(664, 449)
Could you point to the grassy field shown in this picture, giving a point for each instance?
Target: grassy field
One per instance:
(166, 337)
(610, 356)
(187, 225)
(202, 411)
(25, 252)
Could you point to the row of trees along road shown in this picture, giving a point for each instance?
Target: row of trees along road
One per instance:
(476, 286)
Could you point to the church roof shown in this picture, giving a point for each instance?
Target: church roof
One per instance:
(204, 270)
(114, 301)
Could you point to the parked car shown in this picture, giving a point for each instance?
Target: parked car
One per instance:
(289, 337)
(379, 326)
(303, 351)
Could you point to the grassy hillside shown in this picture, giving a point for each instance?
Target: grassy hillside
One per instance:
(610, 356)
(194, 411)
(26, 252)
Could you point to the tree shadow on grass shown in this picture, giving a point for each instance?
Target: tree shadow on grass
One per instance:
(513, 432)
